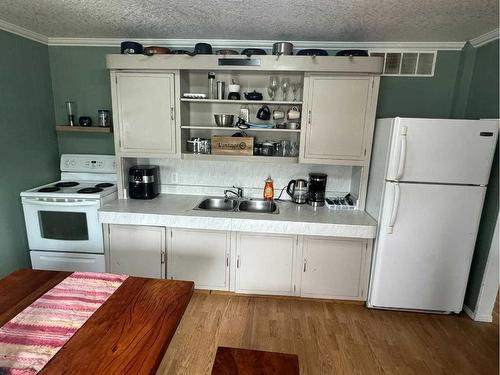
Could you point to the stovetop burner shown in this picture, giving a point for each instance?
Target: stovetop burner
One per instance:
(104, 185)
(66, 184)
(89, 190)
(49, 189)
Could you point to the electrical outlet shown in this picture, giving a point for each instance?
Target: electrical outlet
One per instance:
(174, 177)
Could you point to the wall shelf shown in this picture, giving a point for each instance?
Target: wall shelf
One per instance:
(233, 129)
(245, 102)
(84, 129)
(258, 159)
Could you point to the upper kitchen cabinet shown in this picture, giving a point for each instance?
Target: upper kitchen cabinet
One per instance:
(339, 117)
(145, 112)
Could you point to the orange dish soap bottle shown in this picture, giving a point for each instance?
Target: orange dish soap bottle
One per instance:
(269, 189)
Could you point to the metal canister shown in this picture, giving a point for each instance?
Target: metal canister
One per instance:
(103, 118)
(221, 88)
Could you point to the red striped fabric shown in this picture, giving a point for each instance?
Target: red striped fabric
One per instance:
(38, 332)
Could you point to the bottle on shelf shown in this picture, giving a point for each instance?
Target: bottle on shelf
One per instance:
(269, 189)
(212, 94)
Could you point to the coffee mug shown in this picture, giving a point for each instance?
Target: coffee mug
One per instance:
(278, 115)
(264, 113)
(293, 113)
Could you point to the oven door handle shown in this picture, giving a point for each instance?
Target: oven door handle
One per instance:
(61, 204)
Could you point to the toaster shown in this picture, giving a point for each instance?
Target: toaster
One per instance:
(143, 181)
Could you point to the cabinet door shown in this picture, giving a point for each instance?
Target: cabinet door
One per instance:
(335, 268)
(265, 263)
(201, 256)
(339, 118)
(146, 113)
(137, 250)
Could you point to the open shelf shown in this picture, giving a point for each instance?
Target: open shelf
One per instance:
(259, 159)
(246, 102)
(84, 129)
(201, 127)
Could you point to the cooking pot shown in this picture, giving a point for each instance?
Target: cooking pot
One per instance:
(155, 50)
(226, 52)
(254, 95)
(282, 48)
(202, 49)
(312, 52)
(352, 52)
(132, 48)
(253, 51)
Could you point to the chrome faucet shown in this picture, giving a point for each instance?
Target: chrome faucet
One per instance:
(238, 192)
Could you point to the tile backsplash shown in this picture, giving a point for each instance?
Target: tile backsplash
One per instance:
(212, 177)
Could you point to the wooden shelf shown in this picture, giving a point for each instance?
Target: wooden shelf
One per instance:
(233, 129)
(258, 159)
(246, 102)
(84, 129)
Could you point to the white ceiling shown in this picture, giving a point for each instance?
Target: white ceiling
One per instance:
(318, 20)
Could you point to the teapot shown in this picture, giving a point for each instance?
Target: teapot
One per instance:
(254, 95)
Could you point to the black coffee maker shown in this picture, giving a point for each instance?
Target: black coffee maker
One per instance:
(316, 189)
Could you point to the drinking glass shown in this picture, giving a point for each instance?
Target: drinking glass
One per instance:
(285, 84)
(295, 90)
(274, 83)
(270, 92)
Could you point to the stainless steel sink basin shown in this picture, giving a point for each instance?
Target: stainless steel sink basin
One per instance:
(238, 205)
(269, 207)
(218, 204)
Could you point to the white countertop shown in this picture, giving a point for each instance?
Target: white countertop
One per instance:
(172, 210)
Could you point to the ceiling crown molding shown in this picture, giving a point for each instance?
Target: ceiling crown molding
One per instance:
(481, 40)
(21, 31)
(266, 44)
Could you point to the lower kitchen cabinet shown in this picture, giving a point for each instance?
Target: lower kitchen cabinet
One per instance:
(201, 256)
(266, 263)
(137, 250)
(335, 268)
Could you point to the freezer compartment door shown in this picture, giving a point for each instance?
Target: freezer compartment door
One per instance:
(425, 244)
(442, 151)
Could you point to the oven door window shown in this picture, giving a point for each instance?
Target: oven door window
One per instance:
(59, 225)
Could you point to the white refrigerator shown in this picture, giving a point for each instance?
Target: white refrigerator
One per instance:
(427, 183)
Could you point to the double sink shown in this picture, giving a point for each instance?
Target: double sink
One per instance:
(238, 205)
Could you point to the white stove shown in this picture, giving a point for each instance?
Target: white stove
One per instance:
(62, 225)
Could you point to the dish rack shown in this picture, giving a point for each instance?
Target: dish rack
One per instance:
(347, 202)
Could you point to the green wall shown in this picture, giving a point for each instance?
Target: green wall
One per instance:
(421, 97)
(28, 142)
(483, 102)
(80, 74)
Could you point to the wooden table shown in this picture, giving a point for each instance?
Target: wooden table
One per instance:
(128, 334)
(232, 361)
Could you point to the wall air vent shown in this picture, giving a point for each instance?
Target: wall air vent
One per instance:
(408, 64)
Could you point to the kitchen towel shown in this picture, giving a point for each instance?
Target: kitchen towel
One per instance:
(36, 334)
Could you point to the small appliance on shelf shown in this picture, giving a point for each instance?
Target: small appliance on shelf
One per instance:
(316, 189)
(144, 181)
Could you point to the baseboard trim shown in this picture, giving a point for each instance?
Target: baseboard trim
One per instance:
(478, 317)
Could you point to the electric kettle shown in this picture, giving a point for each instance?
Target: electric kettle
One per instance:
(297, 190)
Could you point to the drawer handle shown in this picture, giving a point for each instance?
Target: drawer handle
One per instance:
(238, 262)
(305, 265)
(172, 112)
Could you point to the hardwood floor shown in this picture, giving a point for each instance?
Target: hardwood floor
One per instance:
(331, 337)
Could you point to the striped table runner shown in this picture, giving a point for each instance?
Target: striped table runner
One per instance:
(36, 334)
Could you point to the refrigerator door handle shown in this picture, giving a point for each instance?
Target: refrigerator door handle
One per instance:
(402, 153)
(395, 208)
